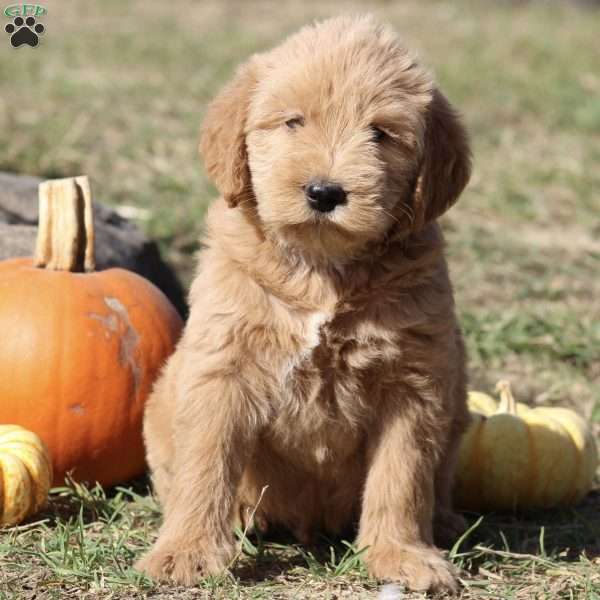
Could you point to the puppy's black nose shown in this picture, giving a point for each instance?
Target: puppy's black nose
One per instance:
(324, 196)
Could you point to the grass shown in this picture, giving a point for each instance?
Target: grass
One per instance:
(86, 541)
(117, 91)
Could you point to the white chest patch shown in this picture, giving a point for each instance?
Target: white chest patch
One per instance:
(311, 337)
(313, 328)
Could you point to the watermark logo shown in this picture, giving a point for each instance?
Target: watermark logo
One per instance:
(25, 28)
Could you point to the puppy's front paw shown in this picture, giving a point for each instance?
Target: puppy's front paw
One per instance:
(182, 563)
(164, 564)
(420, 568)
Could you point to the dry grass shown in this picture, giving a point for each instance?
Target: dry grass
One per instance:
(85, 542)
(117, 91)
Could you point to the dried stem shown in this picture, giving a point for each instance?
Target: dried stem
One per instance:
(65, 240)
(507, 400)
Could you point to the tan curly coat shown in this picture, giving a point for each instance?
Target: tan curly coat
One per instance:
(322, 357)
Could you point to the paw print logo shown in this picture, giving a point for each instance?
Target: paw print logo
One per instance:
(24, 31)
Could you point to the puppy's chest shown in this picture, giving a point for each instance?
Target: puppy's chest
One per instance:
(331, 378)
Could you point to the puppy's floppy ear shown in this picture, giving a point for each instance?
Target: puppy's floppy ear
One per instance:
(223, 139)
(445, 165)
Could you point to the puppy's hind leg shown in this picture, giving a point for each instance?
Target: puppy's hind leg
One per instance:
(158, 428)
(447, 524)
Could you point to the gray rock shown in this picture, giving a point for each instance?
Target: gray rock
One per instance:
(119, 242)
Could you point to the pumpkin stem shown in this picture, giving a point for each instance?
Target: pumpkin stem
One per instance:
(65, 240)
(507, 400)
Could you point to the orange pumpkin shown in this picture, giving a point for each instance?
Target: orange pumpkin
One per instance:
(80, 350)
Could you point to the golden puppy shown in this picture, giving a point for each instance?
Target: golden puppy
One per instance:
(322, 356)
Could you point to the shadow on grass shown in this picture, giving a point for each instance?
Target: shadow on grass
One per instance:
(268, 566)
(563, 534)
(278, 554)
(89, 504)
(551, 535)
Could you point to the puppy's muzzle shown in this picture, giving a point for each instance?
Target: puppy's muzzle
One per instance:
(324, 196)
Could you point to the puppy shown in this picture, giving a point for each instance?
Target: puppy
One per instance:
(322, 359)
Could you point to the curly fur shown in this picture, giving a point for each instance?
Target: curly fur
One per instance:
(322, 357)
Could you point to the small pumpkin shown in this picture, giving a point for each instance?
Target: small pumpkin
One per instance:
(25, 474)
(80, 349)
(513, 456)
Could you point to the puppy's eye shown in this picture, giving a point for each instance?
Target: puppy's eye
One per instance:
(378, 134)
(294, 122)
